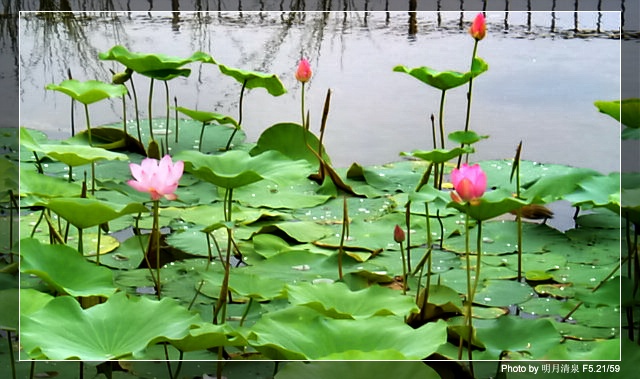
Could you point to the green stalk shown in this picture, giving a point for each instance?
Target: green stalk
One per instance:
(441, 122)
(124, 116)
(201, 137)
(175, 103)
(244, 85)
(466, 123)
(224, 289)
(166, 127)
(80, 244)
(404, 270)
(98, 247)
(304, 124)
(11, 357)
(345, 232)
(246, 311)
(468, 262)
(156, 235)
(149, 109)
(86, 114)
(407, 220)
(135, 104)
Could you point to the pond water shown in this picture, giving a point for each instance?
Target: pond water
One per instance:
(540, 87)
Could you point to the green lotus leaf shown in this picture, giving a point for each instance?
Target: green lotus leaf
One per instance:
(207, 336)
(337, 301)
(626, 111)
(583, 333)
(289, 139)
(84, 213)
(71, 155)
(497, 293)
(158, 66)
(550, 188)
(547, 306)
(500, 237)
(9, 302)
(607, 294)
(237, 168)
(9, 174)
(289, 194)
(90, 91)
(532, 338)
(32, 183)
(32, 300)
(208, 117)
(254, 79)
(445, 80)
(469, 137)
(258, 287)
(119, 328)
(601, 350)
(301, 333)
(438, 155)
(598, 191)
(65, 269)
(491, 205)
(355, 369)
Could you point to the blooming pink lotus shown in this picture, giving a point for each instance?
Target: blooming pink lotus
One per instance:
(159, 179)
(478, 28)
(469, 183)
(303, 74)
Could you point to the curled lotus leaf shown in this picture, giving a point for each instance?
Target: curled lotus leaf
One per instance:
(208, 117)
(254, 79)
(445, 80)
(90, 91)
(157, 66)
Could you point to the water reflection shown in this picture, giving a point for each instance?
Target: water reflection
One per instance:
(540, 84)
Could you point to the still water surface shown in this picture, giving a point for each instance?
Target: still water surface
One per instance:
(540, 86)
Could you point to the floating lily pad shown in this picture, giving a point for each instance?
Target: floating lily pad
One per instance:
(503, 293)
(532, 338)
(547, 306)
(337, 301)
(301, 333)
(500, 237)
(119, 328)
(602, 350)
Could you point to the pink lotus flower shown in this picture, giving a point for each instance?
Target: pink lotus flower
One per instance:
(469, 183)
(303, 74)
(398, 234)
(478, 28)
(159, 179)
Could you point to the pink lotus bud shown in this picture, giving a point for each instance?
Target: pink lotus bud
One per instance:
(478, 28)
(398, 234)
(303, 74)
(469, 183)
(158, 178)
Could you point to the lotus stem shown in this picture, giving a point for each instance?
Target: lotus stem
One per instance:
(407, 216)
(201, 137)
(175, 103)
(404, 270)
(11, 357)
(155, 234)
(468, 263)
(224, 289)
(345, 232)
(246, 311)
(124, 116)
(135, 104)
(166, 355)
(32, 369)
(12, 203)
(304, 124)
(86, 114)
(240, 105)
(166, 127)
(468, 116)
(98, 247)
(149, 109)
